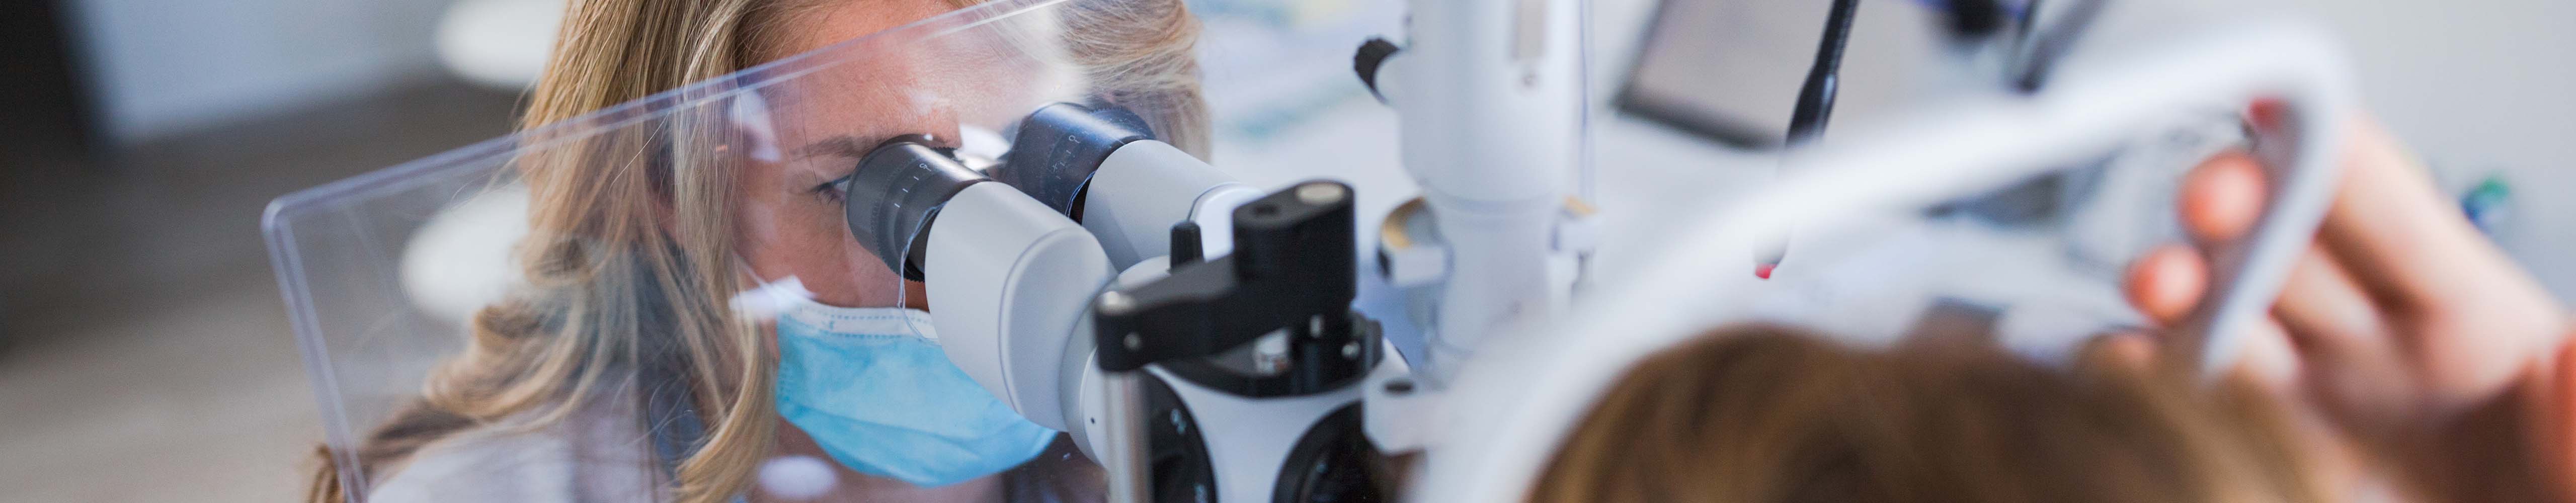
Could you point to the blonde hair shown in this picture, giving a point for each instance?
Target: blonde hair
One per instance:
(617, 281)
(1766, 414)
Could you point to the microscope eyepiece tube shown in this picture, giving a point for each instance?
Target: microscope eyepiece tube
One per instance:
(1060, 146)
(895, 193)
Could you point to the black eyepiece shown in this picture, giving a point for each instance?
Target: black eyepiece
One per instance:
(895, 193)
(1060, 146)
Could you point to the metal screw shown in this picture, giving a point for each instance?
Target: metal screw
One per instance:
(1270, 353)
(1133, 342)
(1115, 304)
(1351, 350)
(1321, 193)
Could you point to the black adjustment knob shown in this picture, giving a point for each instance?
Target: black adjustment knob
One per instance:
(1186, 248)
(1974, 20)
(1292, 266)
(1372, 55)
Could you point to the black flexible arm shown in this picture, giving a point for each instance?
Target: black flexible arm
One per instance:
(1816, 98)
(1815, 102)
(1293, 264)
(2022, 19)
(2047, 47)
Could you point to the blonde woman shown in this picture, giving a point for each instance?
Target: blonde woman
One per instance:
(625, 370)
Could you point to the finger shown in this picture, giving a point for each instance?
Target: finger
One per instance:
(2220, 200)
(2119, 352)
(2344, 341)
(2371, 387)
(2269, 357)
(2166, 282)
(2325, 309)
(2558, 425)
(2354, 368)
(2265, 114)
(2264, 356)
(2472, 319)
(2395, 229)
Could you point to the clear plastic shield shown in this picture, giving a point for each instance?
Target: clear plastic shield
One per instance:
(672, 296)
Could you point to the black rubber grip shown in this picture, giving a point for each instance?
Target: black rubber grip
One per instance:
(896, 193)
(1060, 146)
(1372, 56)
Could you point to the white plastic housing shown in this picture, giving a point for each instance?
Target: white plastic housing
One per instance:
(1084, 382)
(1490, 100)
(1249, 439)
(1399, 416)
(1489, 96)
(1010, 284)
(1144, 188)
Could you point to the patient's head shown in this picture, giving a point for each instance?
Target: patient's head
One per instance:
(1765, 414)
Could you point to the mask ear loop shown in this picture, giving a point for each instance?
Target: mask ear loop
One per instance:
(766, 300)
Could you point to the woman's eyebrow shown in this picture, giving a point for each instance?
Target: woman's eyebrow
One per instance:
(843, 145)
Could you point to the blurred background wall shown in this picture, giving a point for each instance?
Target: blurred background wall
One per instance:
(143, 354)
(151, 122)
(165, 67)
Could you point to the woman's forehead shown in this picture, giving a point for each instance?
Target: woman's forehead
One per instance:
(885, 89)
(863, 98)
(814, 24)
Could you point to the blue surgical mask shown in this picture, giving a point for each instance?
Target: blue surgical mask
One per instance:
(873, 388)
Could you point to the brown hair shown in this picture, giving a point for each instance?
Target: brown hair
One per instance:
(613, 283)
(1767, 414)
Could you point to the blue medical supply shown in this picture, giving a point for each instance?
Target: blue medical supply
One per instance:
(888, 403)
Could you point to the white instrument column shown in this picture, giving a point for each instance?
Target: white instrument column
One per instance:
(1489, 93)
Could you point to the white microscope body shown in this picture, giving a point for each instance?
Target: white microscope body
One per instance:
(1490, 98)
(1016, 287)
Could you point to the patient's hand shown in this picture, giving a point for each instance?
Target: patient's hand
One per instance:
(2399, 320)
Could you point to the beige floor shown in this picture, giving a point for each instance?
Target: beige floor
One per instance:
(147, 356)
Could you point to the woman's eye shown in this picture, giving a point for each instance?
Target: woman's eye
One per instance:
(833, 191)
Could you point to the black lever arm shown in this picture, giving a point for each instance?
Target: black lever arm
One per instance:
(1294, 262)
